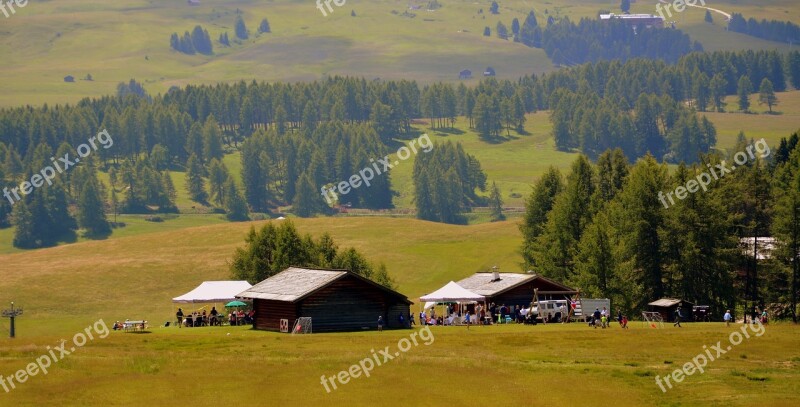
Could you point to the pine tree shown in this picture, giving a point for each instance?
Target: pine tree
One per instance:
(701, 92)
(223, 39)
(264, 26)
(494, 8)
(595, 262)
(25, 233)
(167, 202)
(212, 140)
(487, 32)
(496, 204)
(306, 201)
(625, 6)
(718, 85)
(195, 184)
(91, 211)
(217, 176)
(235, 205)
(708, 18)
(502, 31)
(555, 248)
(537, 206)
(744, 89)
(240, 28)
(766, 94)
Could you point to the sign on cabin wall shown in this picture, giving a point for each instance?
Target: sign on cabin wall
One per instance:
(284, 325)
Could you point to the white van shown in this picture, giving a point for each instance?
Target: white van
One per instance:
(553, 308)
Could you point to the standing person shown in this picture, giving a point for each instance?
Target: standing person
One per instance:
(564, 316)
(596, 317)
(604, 313)
(423, 318)
(402, 320)
(179, 315)
(380, 323)
(727, 318)
(603, 321)
(754, 315)
(411, 318)
(619, 317)
(214, 316)
(678, 317)
(624, 321)
(467, 320)
(764, 316)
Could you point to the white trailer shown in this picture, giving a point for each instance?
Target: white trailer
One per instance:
(586, 306)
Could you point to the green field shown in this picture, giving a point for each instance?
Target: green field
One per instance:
(134, 273)
(115, 41)
(66, 289)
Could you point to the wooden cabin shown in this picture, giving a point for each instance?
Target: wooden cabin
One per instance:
(514, 289)
(335, 300)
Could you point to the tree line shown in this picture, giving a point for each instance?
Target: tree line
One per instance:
(591, 40)
(197, 42)
(155, 134)
(445, 183)
(604, 229)
(772, 30)
(272, 249)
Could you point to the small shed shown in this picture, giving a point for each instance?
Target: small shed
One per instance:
(489, 72)
(335, 300)
(667, 306)
(69, 78)
(465, 74)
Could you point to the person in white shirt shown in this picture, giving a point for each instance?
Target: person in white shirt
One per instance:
(727, 318)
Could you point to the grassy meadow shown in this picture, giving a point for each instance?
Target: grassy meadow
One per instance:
(115, 41)
(511, 365)
(134, 273)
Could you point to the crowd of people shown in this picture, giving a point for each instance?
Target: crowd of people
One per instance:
(603, 319)
(214, 318)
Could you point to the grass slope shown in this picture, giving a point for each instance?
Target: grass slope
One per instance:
(119, 40)
(66, 289)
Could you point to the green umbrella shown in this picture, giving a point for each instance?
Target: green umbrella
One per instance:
(235, 304)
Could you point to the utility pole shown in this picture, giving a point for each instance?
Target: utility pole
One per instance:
(11, 314)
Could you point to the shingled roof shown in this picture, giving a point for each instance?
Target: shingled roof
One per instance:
(295, 283)
(483, 284)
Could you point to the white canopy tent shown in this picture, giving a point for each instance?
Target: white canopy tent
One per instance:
(451, 293)
(213, 291)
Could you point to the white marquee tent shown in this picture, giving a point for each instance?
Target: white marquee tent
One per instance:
(452, 292)
(213, 291)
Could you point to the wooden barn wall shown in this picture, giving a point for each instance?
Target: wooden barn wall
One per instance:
(269, 314)
(396, 309)
(349, 304)
(523, 294)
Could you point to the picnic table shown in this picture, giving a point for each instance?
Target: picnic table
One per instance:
(134, 326)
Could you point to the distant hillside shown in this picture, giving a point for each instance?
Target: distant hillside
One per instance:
(115, 41)
(151, 269)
